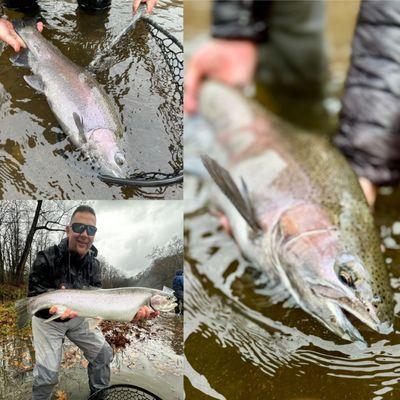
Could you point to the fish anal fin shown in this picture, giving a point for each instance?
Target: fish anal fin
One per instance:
(22, 313)
(94, 322)
(225, 182)
(35, 82)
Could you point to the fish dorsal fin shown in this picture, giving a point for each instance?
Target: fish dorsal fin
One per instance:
(79, 124)
(93, 322)
(224, 181)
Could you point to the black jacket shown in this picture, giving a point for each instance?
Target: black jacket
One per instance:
(369, 131)
(56, 267)
(240, 19)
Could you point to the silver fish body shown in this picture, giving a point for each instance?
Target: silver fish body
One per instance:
(297, 211)
(80, 104)
(120, 304)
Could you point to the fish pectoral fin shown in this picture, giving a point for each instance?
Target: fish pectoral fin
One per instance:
(225, 182)
(94, 322)
(20, 59)
(79, 124)
(35, 82)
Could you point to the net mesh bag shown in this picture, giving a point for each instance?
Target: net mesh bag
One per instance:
(124, 392)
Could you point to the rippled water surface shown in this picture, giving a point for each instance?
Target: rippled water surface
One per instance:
(241, 344)
(38, 161)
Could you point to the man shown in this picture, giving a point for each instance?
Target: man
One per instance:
(72, 264)
(292, 31)
(9, 36)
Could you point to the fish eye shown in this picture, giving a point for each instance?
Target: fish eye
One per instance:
(347, 277)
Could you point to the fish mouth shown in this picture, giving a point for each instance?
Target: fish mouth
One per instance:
(113, 165)
(339, 323)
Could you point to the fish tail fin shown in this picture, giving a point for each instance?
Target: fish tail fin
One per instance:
(21, 307)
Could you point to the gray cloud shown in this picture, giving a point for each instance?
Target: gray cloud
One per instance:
(129, 230)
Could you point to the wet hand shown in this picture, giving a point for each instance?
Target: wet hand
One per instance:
(150, 5)
(8, 34)
(369, 189)
(68, 312)
(232, 62)
(145, 313)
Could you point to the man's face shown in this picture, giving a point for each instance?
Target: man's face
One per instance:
(81, 242)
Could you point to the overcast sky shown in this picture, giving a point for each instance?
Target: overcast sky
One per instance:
(129, 230)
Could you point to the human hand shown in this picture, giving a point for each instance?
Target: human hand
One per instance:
(68, 312)
(232, 62)
(150, 5)
(8, 34)
(145, 312)
(369, 189)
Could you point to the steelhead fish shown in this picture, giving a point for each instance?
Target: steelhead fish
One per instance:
(297, 211)
(120, 304)
(80, 104)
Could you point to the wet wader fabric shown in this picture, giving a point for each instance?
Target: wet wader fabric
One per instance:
(48, 339)
(293, 67)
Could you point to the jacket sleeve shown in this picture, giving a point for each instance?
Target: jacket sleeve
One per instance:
(240, 19)
(41, 276)
(369, 132)
(96, 274)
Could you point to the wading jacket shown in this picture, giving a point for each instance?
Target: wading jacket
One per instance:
(369, 131)
(56, 267)
(177, 284)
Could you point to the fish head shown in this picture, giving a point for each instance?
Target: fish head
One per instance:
(328, 278)
(163, 302)
(103, 147)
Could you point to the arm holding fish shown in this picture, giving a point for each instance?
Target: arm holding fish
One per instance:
(369, 131)
(41, 280)
(95, 282)
(41, 277)
(145, 312)
(8, 34)
(231, 57)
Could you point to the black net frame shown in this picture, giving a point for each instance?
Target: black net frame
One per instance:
(124, 392)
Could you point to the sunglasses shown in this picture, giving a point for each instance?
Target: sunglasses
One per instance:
(80, 228)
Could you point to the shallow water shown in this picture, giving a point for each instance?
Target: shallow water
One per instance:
(38, 161)
(239, 343)
(153, 360)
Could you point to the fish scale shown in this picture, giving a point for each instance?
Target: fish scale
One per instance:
(81, 106)
(315, 229)
(119, 304)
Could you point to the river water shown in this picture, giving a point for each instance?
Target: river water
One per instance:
(153, 360)
(38, 161)
(238, 343)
